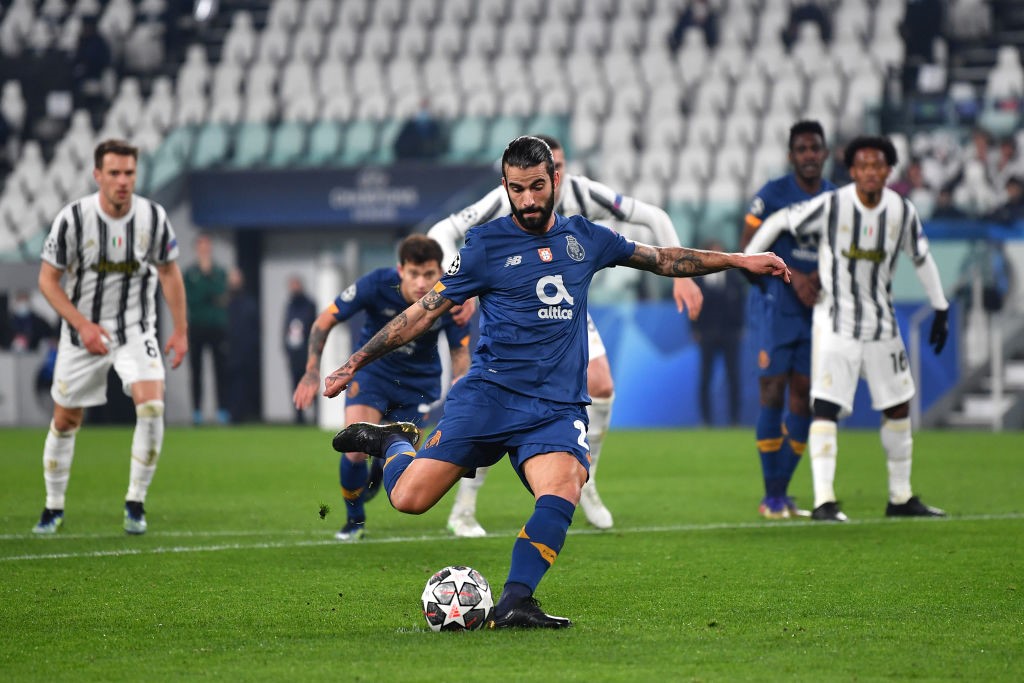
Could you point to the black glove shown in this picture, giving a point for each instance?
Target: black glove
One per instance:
(940, 331)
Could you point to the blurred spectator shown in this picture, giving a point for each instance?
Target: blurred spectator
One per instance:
(1012, 210)
(840, 174)
(718, 331)
(801, 12)
(243, 338)
(422, 137)
(980, 147)
(91, 60)
(699, 14)
(206, 292)
(945, 207)
(299, 315)
(921, 25)
(1006, 163)
(27, 328)
(913, 186)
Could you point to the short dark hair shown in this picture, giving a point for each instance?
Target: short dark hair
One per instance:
(882, 144)
(804, 128)
(419, 249)
(118, 147)
(552, 142)
(527, 151)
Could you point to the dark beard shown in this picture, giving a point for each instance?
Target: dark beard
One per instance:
(535, 223)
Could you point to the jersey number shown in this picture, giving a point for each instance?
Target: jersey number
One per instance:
(151, 349)
(899, 362)
(582, 441)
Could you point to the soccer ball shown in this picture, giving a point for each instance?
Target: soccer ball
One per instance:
(457, 599)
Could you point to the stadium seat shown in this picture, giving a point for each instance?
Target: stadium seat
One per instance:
(503, 129)
(378, 43)
(325, 139)
(240, 42)
(423, 12)
(467, 139)
(557, 126)
(1006, 79)
(388, 133)
(584, 132)
(284, 14)
(321, 13)
(308, 45)
(288, 142)
(226, 109)
(553, 38)
(413, 42)
(703, 129)
(343, 43)
(359, 142)
(213, 142)
(751, 94)
(732, 162)
(252, 144)
(695, 164)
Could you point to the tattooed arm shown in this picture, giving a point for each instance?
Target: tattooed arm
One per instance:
(406, 326)
(310, 382)
(683, 262)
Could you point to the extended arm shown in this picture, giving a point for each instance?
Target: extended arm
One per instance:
(172, 284)
(90, 333)
(683, 262)
(684, 290)
(307, 387)
(403, 328)
(928, 274)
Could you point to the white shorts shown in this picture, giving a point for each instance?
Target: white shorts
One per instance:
(594, 344)
(838, 362)
(80, 378)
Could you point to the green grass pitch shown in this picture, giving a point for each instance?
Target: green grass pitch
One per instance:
(239, 578)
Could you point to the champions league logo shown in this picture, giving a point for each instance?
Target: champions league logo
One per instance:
(453, 269)
(349, 294)
(574, 248)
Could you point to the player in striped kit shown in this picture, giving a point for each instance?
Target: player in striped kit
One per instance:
(110, 248)
(861, 228)
(577, 195)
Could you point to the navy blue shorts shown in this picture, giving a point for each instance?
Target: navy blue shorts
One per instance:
(483, 421)
(397, 400)
(783, 341)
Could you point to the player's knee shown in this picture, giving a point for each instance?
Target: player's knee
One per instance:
(826, 410)
(356, 458)
(66, 422)
(899, 412)
(773, 389)
(409, 501)
(150, 409)
(600, 385)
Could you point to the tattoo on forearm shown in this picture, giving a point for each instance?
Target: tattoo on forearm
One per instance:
(432, 301)
(677, 261)
(317, 339)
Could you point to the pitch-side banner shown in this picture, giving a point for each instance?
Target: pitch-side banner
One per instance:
(656, 367)
(399, 194)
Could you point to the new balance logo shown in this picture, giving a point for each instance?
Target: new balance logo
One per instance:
(513, 261)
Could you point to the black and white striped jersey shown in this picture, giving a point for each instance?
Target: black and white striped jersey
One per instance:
(110, 264)
(857, 253)
(580, 196)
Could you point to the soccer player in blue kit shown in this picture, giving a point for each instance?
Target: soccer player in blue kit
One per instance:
(402, 386)
(525, 393)
(779, 316)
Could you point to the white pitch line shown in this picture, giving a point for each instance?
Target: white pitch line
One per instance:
(434, 538)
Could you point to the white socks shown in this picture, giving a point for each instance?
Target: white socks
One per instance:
(600, 414)
(465, 496)
(898, 442)
(58, 452)
(146, 445)
(821, 442)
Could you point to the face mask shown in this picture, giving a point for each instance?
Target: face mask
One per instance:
(21, 309)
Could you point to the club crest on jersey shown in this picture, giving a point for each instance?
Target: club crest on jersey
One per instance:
(545, 254)
(574, 248)
(454, 267)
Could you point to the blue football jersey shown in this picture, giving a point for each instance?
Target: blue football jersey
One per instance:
(532, 293)
(377, 294)
(799, 255)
